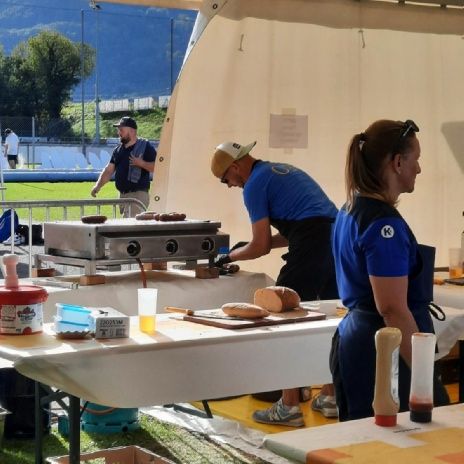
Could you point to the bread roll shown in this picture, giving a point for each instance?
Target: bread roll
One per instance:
(244, 310)
(277, 299)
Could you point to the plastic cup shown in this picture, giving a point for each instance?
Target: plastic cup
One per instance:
(455, 263)
(147, 299)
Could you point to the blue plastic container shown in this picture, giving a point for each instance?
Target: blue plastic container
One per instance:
(73, 313)
(64, 326)
(97, 418)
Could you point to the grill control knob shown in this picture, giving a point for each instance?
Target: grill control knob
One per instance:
(207, 245)
(171, 246)
(133, 248)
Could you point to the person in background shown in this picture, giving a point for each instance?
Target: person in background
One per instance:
(285, 197)
(384, 277)
(11, 148)
(131, 163)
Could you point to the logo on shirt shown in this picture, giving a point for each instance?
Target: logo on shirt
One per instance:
(282, 169)
(387, 231)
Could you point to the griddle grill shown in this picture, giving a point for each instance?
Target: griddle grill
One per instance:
(120, 241)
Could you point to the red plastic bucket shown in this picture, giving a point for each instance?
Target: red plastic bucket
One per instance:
(21, 309)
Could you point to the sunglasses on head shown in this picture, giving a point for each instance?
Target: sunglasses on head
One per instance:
(408, 126)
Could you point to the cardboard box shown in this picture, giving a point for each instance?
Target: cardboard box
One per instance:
(109, 323)
(122, 455)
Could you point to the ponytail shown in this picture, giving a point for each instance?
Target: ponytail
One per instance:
(367, 156)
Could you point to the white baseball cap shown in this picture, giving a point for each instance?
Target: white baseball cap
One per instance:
(226, 153)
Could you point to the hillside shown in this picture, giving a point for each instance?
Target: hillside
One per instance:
(149, 122)
(140, 50)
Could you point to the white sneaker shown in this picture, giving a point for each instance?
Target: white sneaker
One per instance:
(17, 240)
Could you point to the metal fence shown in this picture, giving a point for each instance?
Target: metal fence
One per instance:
(33, 130)
(74, 208)
(69, 129)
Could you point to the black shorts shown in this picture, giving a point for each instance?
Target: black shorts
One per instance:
(12, 158)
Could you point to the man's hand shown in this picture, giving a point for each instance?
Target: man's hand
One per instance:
(94, 191)
(136, 161)
(222, 260)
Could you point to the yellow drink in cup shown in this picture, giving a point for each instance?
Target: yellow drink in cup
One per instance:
(147, 300)
(455, 272)
(455, 263)
(147, 324)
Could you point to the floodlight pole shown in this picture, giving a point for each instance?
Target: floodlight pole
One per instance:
(82, 85)
(171, 49)
(96, 7)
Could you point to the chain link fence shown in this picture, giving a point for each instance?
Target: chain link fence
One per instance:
(66, 130)
(34, 133)
(70, 129)
(46, 136)
(34, 130)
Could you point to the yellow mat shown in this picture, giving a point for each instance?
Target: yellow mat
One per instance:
(241, 409)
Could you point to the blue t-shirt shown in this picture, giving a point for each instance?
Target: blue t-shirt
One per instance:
(370, 240)
(120, 159)
(284, 192)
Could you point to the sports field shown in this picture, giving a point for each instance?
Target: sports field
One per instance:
(57, 191)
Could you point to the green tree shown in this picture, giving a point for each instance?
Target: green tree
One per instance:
(53, 63)
(22, 93)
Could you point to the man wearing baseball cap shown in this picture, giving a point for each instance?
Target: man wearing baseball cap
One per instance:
(288, 199)
(131, 163)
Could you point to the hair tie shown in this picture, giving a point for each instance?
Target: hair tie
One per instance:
(362, 140)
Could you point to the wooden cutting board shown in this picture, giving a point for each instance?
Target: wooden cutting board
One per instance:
(290, 317)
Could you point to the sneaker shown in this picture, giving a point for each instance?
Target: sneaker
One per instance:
(17, 240)
(325, 404)
(279, 414)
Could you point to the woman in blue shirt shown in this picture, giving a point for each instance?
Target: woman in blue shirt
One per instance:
(384, 277)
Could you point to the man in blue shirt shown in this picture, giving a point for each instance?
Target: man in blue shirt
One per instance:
(131, 163)
(288, 199)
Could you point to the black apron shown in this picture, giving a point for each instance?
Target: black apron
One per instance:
(309, 266)
(353, 354)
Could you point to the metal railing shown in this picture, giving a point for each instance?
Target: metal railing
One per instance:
(65, 206)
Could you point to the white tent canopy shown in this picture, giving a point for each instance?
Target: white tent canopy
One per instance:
(336, 65)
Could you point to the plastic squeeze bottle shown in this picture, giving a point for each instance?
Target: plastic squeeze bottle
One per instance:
(386, 402)
(11, 277)
(421, 394)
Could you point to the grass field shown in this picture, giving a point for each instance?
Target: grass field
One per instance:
(167, 440)
(56, 191)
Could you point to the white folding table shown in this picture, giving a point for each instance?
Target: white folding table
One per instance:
(183, 361)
